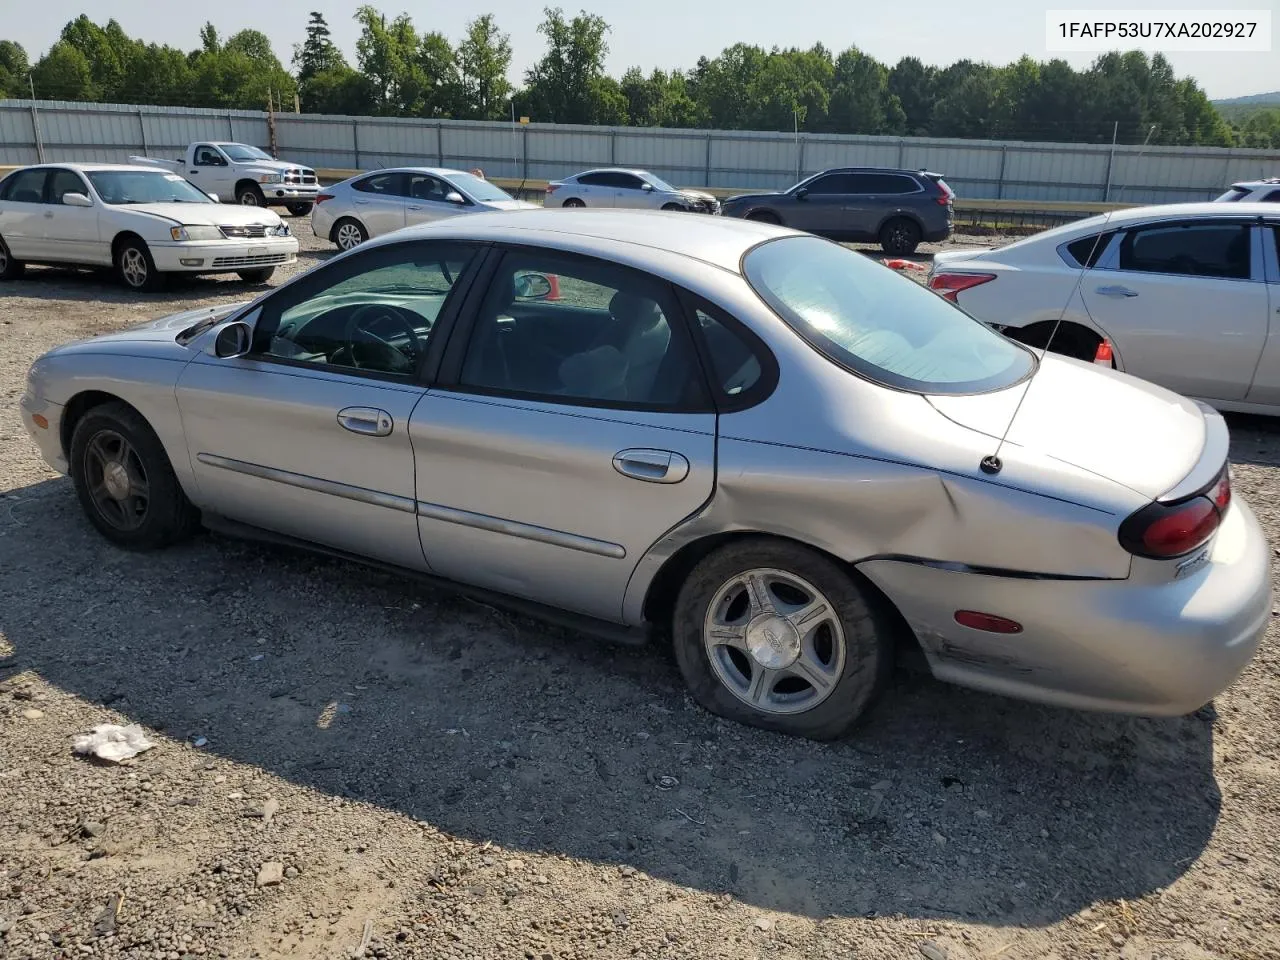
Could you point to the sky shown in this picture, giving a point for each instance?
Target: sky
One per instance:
(666, 33)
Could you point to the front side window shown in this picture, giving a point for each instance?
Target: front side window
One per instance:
(26, 186)
(607, 339)
(1272, 197)
(1220, 250)
(628, 181)
(207, 156)
(62, 182)
(422, 186)
(833, 183)
(879, 325)
(371, 314)
(143, 186)
(660, 184)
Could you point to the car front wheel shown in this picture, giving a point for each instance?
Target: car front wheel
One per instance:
(124, 480)
(135, 267)
(250, 195)
(775, 635)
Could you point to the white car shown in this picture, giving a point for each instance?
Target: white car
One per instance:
(1186, 296)
(638, 189)
(371, 204)
(142, 221)
(1252, 191)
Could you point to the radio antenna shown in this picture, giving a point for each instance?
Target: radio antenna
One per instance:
(992, 464)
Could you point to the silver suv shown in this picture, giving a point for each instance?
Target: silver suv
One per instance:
(1252, 191)
(895, 208)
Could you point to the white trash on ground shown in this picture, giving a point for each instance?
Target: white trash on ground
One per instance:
(112, 742)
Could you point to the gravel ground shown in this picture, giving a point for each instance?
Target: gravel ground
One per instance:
(341, 754)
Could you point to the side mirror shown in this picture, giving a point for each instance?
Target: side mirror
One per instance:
(233, 340)
(647, 186)
(453, 196)
(802, 193)
(533, 286)
(214, 197)
(76, 200)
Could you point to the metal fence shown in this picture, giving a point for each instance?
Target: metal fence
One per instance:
(976, 169)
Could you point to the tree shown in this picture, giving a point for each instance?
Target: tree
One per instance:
(317, 53)
(338, 90)
(861, 101)
(484, 56)
(566, 85)
(63, 74)
(14, 68)
(913, 84)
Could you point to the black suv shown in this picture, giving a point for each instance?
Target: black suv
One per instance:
(895, 208)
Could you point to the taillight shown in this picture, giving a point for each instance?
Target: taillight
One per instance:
(1162, 531)
(552, 187)
(950, 284)
(322, 197)
(945, 194)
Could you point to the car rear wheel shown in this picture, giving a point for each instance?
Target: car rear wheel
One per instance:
(775, 635)
(135, 268)
(298, 209)
(763, 216)
(261, 275)
(348, 234)
(10, 269)
(573, 202)
(900, 236)
(250, 195)
(125, 482)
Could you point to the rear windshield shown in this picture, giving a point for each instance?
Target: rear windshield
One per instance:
(1232, 195)
(879, 325)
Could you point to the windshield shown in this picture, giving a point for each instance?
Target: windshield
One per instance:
(875, 323)
(480, 190)
(659, 183)
(141, 186)
(1232, 195)
(242, 153)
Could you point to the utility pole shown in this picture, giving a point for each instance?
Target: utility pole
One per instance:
(35, 118)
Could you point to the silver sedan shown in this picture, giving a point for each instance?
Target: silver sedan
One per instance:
(372, 204)
(768, 449)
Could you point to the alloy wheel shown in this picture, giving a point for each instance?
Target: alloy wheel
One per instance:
(774, 641)
(349, 236)
(117, 480)
(133, 266)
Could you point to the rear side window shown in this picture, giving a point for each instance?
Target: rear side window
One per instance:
(594, 180)
(887, 183)
(879, 325)
(740, 367)
(26, 186)
(1219, 250)
(1232, 195)
(385, 184)
(1087, 250)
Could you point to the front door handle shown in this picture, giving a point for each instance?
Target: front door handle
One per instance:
(1117, 291)
(415, 208)
(653, 466)
(369, 421)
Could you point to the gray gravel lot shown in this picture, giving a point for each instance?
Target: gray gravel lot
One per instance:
(471, 784)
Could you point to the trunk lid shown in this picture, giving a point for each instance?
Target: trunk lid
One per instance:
(1110, 424)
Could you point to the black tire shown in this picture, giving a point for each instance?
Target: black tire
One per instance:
(168, 516)
(764, 216)
(900, 236)
(261, 275)
(250, 195)
(298, 209)
(573, 202)
(339, 236)
(672, 206)
(868, 646)
(135, 268)
(10, 269)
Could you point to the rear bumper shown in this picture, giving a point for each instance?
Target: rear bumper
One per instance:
(1155, 649)
(938, 234)
(224, 257)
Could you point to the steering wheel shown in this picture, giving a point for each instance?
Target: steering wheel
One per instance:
(377, 352)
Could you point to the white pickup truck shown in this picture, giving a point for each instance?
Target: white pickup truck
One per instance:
(245, 173)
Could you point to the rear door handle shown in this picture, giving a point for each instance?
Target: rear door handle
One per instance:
(360, 203)
(369, 421)
(1117, 291)
(653, 466)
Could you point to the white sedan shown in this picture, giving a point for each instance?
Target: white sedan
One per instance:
(144, 222)
(1185, 295)
(371, 204)
(637, 189)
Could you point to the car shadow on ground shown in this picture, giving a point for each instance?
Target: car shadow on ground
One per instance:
(1254, 439)
(948, 804)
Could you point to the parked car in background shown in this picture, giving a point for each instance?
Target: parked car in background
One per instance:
(1252, 191)
(371, 204)
(896, 208)
(616, 187)
(244, 174)
(764, 444)
(1188, 295)
(142, 221)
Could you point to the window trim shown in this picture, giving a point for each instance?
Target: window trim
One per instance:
(309, 285)
(48, 185)
(195, 156)
(1104, 255)
(463, 332)
(1271, 252)
(770, 372)
(1248, 222)
(881, 193)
